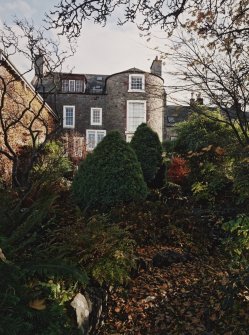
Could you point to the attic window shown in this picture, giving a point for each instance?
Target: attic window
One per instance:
(97, 89)
(72, 86)
(136, 83)
(99, 78)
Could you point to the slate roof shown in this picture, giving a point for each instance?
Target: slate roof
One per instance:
(95, 83)
(175, 114)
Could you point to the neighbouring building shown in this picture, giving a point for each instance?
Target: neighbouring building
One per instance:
(94, 104)
(25, 118)
(175, 114)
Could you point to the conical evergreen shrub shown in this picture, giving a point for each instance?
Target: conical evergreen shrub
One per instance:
(148, 149)
(109, 176)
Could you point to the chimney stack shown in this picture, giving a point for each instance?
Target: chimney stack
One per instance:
(40, 66)
(199, 99)
(192, 100)
(156, 67)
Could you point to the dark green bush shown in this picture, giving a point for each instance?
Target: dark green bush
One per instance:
(110, 175)
(148, 149)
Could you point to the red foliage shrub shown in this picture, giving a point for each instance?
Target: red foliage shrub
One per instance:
(178, 170)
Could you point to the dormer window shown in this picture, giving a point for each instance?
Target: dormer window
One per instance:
(72, 86)
(97, 89)
(136, 83)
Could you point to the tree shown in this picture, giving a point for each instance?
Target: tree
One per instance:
(110, 175)
(148, 149)
(199, 131)
(218, 20)
(219, 74)
(208, 146)
(26, 122)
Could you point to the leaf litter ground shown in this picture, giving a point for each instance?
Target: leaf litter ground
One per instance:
(186, 298)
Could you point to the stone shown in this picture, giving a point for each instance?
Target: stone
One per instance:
(83, 309)
(88, 308)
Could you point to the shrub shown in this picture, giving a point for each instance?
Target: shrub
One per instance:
(52, 163)
(241, 180)
(200, 131)
(148, 149)
(171, 192)
(109, 176)
(178, 170)
(237, 242)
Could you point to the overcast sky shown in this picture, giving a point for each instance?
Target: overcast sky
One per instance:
(101, 50)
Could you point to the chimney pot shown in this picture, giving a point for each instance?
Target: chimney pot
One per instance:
(156, 67)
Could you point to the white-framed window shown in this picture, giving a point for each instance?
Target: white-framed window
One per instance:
(68, 116)
(93, 137)
(72, 86)
(64, 86)
(79, 86)
(96, 116)
(136, 114)
(136, 83)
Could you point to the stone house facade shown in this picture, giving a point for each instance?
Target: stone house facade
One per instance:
(93, 104)
(25, 118)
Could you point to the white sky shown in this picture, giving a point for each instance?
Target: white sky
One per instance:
(103, 50)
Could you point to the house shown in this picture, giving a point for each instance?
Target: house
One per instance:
(94, 104)
(175, 114)
(25, 118)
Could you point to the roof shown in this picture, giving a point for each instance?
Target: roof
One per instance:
(95, 83)
(175, 114)
(134, 70)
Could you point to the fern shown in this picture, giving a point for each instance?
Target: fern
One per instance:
(108, 254)
(56, 270)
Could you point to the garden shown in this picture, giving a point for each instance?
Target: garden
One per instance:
(141, 238)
